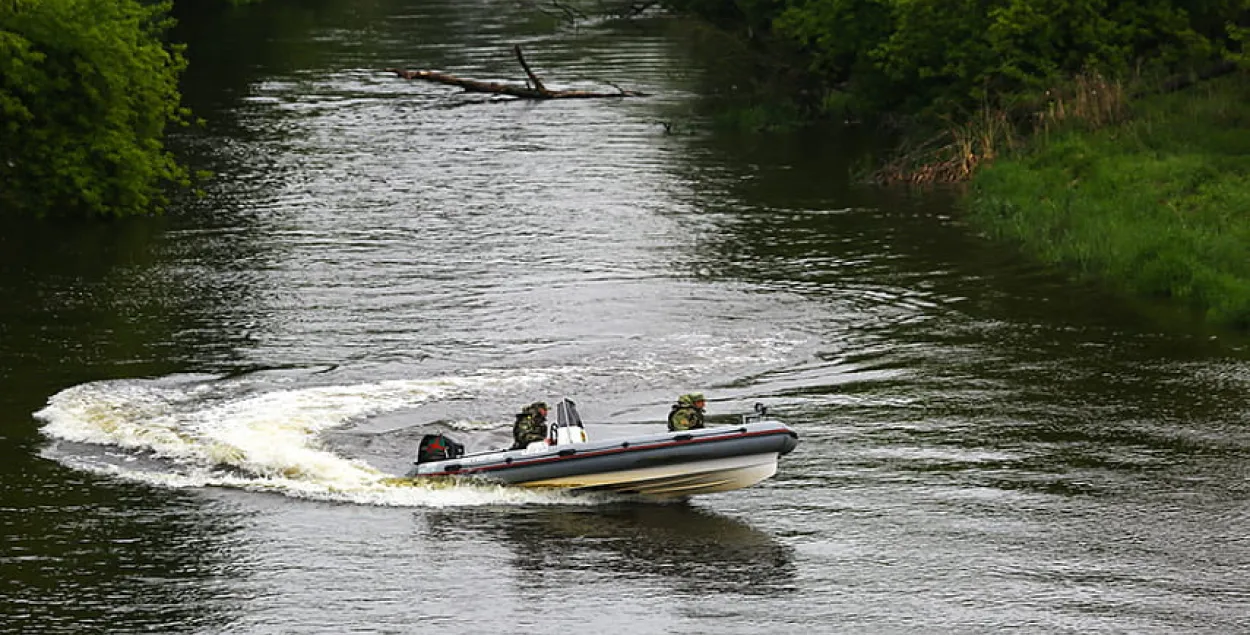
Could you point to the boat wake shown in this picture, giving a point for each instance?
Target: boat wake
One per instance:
(253, 433)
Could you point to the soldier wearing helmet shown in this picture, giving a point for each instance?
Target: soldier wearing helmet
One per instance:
(687, 413)
(530, 426)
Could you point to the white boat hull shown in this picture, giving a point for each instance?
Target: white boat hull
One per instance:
(672, 464)
(675, 481)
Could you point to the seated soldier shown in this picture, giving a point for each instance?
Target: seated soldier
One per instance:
(530, 426)
(687, 413)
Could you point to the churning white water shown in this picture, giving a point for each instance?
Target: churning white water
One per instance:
(235, 432)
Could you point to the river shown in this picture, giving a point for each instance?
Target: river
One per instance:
(200, 408)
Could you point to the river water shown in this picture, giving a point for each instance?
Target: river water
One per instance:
(200, 409)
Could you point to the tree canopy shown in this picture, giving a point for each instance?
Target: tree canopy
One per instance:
(87, 88)
(940, 56)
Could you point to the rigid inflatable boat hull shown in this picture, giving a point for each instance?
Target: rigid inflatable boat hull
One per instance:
(681, 479)
(671, 464)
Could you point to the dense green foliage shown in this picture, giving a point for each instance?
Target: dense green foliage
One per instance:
(1149, 194)
(1156, 204)
(86, 90)
(944, 57)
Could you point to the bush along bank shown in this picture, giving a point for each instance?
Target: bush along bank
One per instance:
(1156, 204)
(87, 88)
(1023, 97)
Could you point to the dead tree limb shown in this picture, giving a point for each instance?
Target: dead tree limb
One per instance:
(636, 9)
(535, 91)
(516, 48)
(472, 85)
(567, 13)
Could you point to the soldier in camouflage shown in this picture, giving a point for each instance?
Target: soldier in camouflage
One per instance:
(530, 426)
(687, 413)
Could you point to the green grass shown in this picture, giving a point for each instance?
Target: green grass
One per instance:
(1158, 205)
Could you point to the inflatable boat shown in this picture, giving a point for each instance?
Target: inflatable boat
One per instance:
(662, 465)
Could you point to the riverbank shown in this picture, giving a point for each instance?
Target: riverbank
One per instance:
(1157, 205)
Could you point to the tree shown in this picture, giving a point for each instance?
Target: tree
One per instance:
(946, 57)
(87, 88)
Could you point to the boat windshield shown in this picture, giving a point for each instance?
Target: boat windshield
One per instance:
(566, 414)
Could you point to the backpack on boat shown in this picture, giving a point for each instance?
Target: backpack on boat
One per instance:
(438, 447)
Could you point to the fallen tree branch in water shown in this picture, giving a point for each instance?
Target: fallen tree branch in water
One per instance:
(568, 14)
(635, 9)
(538, 85)
(534, 89)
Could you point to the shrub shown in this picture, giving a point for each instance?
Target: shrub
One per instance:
(86, 90)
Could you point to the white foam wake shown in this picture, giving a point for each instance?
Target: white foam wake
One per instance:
(225, 433)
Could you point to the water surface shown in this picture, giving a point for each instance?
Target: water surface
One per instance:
(219, 394)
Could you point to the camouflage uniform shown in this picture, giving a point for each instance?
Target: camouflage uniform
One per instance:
(687, 414)
(530, 426)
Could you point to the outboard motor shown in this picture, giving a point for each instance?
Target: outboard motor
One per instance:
(568, 426)
(438, 447)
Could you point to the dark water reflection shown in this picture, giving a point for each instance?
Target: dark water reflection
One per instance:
(986, 446)
(85, 556)
(693, 551)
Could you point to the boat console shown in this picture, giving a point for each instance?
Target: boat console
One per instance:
(567, 428)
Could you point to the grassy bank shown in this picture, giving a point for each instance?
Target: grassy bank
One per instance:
(1157, 205)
